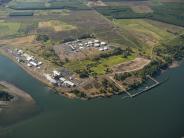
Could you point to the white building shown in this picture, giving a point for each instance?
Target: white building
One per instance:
(103, 43)
(96, 41)
(56, 73)
(105, 48)
(49, 78)
(62, 79)
(90, 42)
(40, 63)
(33, 63)
(96, 45)
(101, 49)
(28, 57)
(29, 65)
(19, 52)
(69, 83)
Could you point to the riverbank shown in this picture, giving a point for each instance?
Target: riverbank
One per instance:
(75, 92)
(67, 92)
(37, 75)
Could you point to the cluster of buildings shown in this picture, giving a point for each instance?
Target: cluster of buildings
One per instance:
(56, 78)
(85, 43)
(31, 61)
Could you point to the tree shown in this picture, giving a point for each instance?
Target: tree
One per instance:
(43, 38)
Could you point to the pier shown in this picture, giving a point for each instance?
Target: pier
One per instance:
(147, 88)
(156, 83)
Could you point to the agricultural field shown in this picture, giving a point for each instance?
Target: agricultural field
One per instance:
(170, 13)
(165, 11)
(142, 9)
(148, 33)
(47, 5)
(55, 25)
(9, 28)
(120, 12)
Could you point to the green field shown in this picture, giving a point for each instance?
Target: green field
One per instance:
(148, 34)
(120, 12)
(98, 67)
(172, 12)
(9, 28)
(101, 68)
(144, 27)
(42, 5)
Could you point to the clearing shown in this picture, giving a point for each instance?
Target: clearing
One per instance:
(55, 25)
(131, 66)
(100, 66)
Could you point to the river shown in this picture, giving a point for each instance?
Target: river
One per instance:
(159, 113)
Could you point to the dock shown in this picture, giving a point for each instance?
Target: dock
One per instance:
(147, 88)
(156, 83)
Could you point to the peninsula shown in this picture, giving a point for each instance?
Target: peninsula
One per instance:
(87, 49)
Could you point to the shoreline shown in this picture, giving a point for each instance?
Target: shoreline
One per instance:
(174, 64)
(59, 91)
(46, 83)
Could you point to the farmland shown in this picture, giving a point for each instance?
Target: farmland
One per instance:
(120, 12)
(147, 33)
(8, 28)
(35, 5)
(169, 12)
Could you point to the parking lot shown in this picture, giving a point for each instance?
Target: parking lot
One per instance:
(81, 49)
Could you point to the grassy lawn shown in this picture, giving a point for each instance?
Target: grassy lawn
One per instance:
(105, 63)
(100, 66)
(80, 65)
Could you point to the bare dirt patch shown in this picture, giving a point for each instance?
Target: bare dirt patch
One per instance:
(57, 26)
(96, 3)
(131, 66)
(81, 55)
(19, 41)
(142, 9)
